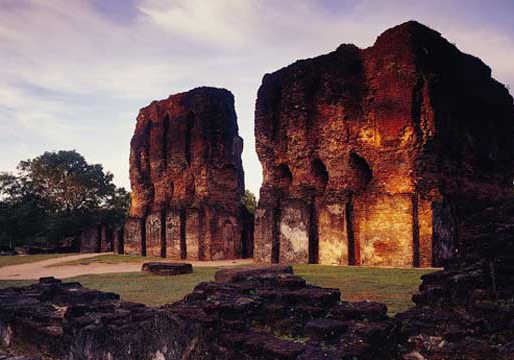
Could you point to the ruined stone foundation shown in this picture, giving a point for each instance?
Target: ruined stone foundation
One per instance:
(377, 156)
(99, 238)
(187, 179)
(262, 314)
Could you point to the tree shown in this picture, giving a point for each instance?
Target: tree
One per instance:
(56, 195)
(249, 201)
(22, 214)
(116, 208)
(66, 181)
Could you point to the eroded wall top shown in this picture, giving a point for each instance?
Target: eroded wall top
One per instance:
(186, 151)
(410, 114)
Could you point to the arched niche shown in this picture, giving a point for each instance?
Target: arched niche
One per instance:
(284, 177)
(142, 152)
(320, 174)
(360, 173)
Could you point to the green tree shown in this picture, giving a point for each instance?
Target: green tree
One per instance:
(56, 195)
(22, 214)
(249, 201)
(66, 181)
(116, 207)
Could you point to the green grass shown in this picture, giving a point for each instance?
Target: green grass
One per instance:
(25, 259)
(391, 286)
(109, 259)
(152, 290)
(8, 283)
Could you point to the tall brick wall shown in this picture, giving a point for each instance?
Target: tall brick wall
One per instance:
(371, 156)
(187, 178)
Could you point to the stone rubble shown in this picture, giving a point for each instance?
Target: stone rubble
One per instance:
(267, 314)
(466, 311)
(261, 315)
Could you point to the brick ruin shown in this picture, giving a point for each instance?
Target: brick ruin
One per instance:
(269, 313)
(99, 238)
(253, 315)
(465, 311)
(187, 180)
(378, 156)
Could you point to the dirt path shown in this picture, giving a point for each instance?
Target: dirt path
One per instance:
(44, 268)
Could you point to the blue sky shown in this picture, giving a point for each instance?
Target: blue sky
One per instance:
(74, 73)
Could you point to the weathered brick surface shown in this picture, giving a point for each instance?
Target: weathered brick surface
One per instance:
(133, 236)
(375, 156)
(97, 238)
(465, 311)
(6, 355)
(66, 321)
(187, 179)
(272, 314)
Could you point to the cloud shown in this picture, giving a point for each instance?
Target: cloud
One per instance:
(216, 23)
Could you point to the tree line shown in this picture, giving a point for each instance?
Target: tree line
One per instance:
(53, 197)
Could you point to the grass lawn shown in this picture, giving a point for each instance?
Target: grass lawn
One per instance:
(391, 286)
(24, 259)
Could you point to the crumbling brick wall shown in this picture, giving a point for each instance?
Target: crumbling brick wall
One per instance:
(187, 178)
(97, 238)
(373, 156)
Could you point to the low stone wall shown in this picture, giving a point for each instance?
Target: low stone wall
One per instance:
(67, 321)
(259, 313)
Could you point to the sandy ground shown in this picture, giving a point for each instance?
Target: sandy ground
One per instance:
(44, 268)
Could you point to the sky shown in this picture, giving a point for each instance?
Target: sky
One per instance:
(74, 73)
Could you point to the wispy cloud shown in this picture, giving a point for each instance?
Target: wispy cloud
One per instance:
(215, 23)
(75, 73)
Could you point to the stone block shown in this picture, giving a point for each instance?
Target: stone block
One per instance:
(263, 235)
(243, 273)
(383, 230)
(166, 268)
(333, 239)
(173, 237)
(194, 233)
